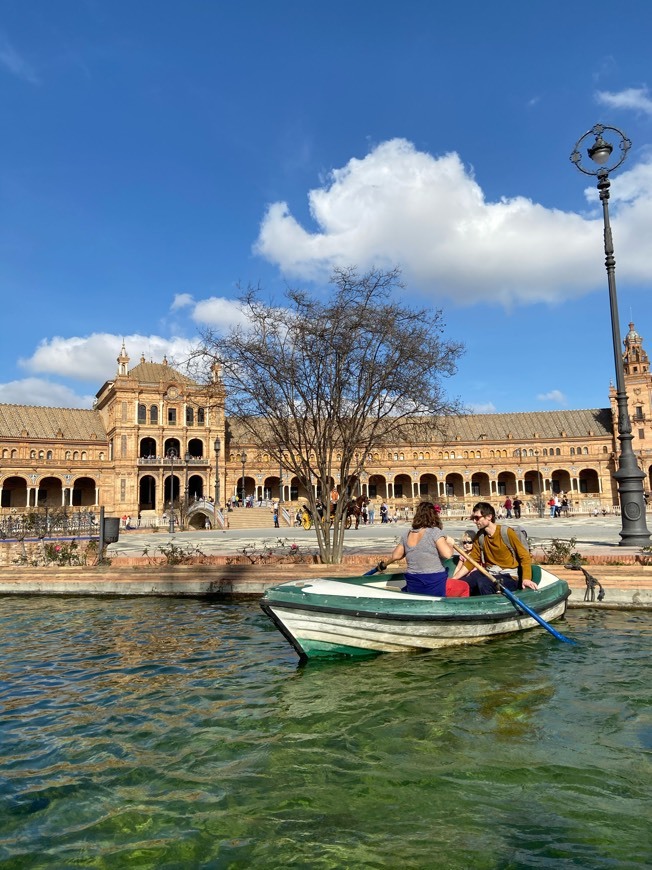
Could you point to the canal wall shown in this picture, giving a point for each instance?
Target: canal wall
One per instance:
(625, 586)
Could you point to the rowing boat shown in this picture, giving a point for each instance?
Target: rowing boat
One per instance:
(358, 616)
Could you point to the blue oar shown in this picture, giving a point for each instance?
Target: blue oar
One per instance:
(515, 601)
(370, 573)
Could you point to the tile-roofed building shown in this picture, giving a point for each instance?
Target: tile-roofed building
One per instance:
(27, 421)
(155, 436)
(584, 423)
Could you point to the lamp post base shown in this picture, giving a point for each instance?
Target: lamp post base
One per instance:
(634, 532)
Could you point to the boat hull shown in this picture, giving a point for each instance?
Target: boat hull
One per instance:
(325, 618)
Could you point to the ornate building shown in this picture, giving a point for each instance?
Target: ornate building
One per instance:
(155, 437)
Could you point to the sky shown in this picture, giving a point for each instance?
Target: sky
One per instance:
(157, 157)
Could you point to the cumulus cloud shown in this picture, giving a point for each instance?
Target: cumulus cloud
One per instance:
(553, 396)
(220, 313)
(93, 358)
(428, 214)
(182, 300)
(630, 98)
(36, 391)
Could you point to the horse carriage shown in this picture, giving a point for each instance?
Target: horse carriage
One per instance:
(352, 515)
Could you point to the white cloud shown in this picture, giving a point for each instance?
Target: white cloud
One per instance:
(400, 206)
(182, 300)
(93, 358)
(484, 408)
(36, 391)
(219, 312)
(631, 98)
(553, 396)
(14, 63)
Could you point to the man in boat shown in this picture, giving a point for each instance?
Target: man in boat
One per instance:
(510, 564)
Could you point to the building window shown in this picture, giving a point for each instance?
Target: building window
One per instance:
(641, 434)
(528, 487)
(123, 447)
(201, 416)
(123, 489)
(423, 489)
(84, 455)
(475, 489)
(572, 451)
(32, 454)
(372, 490)
(124, 412)
(153, 415)
(501, 489)
(142, 414)
(41, 454)
(398, 490)
(190, 417)
(67, 454)
(172, 416)
(639, 412)
(49, 456)
(558, 451)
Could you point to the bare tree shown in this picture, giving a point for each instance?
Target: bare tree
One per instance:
(322, 381)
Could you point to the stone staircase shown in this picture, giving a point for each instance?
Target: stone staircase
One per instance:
(252, 518)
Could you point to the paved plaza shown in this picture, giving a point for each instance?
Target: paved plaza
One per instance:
(593, 535)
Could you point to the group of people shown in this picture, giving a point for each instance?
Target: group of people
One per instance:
(558, 505)
(514, 506)
(426, 549)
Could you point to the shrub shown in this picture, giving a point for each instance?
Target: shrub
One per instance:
(562, 552)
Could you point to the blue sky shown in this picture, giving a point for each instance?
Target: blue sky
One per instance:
(156, 154)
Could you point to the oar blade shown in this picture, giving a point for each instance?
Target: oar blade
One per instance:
(518, 603)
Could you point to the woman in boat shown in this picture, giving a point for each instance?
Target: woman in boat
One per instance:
(423, 547)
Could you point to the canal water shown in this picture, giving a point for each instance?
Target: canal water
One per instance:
(161, 733)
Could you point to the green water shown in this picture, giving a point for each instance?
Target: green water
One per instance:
(167, 733)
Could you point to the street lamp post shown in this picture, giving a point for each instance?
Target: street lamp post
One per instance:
(171, 456)
(243, 459)
(186, 459)
(634, 531)
(217, 446)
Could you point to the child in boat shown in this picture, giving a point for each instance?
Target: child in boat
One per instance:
(423, 547)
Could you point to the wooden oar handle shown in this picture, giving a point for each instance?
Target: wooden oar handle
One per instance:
(477, 565)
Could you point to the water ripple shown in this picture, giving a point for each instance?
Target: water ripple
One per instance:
(167, 733)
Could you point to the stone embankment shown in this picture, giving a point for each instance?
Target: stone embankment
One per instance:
(625, 586)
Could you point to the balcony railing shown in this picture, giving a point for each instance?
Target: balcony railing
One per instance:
(178, 461)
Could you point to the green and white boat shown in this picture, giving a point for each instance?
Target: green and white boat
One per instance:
(357, 616)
